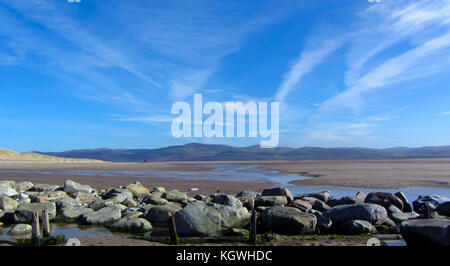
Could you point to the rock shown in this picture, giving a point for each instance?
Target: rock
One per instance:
(160, 214)
(270, 200)
(175, 196)
(7, 191)
(316, 203)
(134, 225)
(420, 232)
(236, 232)
(156, 200)
(210, 219)
(8, 204)
(73, 187)
(132, 214)
(229, 200)
(247, 194)
(406, 204)
(44, 187)
(323, 196)
(302, 205)
(98, 204)
(102, 216)
(193, 189)
(24, 212)
(20, 229)
(288, 220)
(120, 197)
(48, 196)
(73, 213)
(444, 209)
(384, 199)
(356, 227)
(278, 191)
(360, 197)
(24, 198)
(84, 197)
(399, 217)
(23, 186)
(433, 200)
(323, 223)
(341, 201)
(200, 197)
(7, 183)
(248, 203)
(130, 202)
(373, 213)
(137, 189)
(159, 189)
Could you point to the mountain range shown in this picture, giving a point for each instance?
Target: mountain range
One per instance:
(213, 152)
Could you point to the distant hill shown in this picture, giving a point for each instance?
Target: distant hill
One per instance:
(9, 155)
(207, 152)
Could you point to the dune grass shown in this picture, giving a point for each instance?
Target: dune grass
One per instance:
(7, 154)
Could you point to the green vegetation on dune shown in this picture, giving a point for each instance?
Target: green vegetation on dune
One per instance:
(7, 154)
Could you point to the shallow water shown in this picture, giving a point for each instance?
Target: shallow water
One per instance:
(69, 230)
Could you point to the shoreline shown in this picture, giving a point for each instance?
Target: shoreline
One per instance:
(361, 173)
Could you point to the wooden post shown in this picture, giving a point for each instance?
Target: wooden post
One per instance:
(253, 221)
(45, 223)
(173, 231)
(35, 225)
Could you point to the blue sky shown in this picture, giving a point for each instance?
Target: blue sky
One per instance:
(105, 73)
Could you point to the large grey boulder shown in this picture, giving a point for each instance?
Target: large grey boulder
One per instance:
(323, 196)
(420, 232)
(399, 217)
(302, 205)
(23, 186)
(247, 194)
(65, 202)
(229, 200)
(342, 201)
(288, 220)
(384, 199)
(373, 213)
(73, 187)
(154, 200)
(20, 229)
(433, 200)
(175, 196)
(444, 209)
(83, 197)
(356, 227)
(406, 205)
(24, 212)
(316, 203)
(8, 204)
(278, 191)
(133, 225)
(102, 216)
(73, 213)
(6, 190)
(209, 219)
(159, 214)
(270, 201)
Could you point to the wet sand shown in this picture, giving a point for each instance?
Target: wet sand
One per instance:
(380, 173)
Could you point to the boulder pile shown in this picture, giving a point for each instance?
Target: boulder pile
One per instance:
(136, 209)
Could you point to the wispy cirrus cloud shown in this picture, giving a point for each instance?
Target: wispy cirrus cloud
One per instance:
(307, 61)
(398, 21)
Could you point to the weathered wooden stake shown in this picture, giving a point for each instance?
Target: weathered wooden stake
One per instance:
(45, 223)
(173, 231)
(35, 225)
(253, 220)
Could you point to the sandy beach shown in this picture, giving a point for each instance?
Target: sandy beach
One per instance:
(386, 173)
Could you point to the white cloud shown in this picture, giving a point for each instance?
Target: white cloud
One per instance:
(309, 59)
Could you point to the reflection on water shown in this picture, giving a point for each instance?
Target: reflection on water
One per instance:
(243, 173)
(69, 230)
